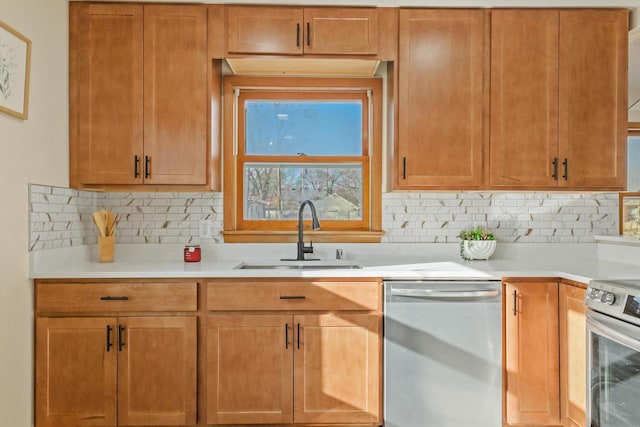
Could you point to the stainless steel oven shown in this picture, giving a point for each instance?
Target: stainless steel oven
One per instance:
(613, 353)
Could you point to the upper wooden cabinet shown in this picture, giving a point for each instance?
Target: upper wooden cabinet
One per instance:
(138, 96)
(276, 30)
(593, 98)
(524, 108)
(440, 102)
(565, 127)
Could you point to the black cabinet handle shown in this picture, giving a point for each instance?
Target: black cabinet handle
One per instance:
(565, 163)
(110, 298)
(515, 303)
(298, 34)
(298, 336)
(109, 342)
(147, 166)
(286, 336)
(308, 34)
(404, 168)
(120, 337)
(136, 166)
(292, 297)
(555, 168)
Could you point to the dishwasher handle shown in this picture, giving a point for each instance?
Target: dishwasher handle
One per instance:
(433, 293)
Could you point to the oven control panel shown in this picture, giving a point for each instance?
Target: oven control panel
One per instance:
(617, 298)
(602, 296)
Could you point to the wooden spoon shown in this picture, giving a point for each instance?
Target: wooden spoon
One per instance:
(109, 223)
(99, 221)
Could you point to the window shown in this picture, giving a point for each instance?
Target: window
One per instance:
(633, 159)
(293, 139)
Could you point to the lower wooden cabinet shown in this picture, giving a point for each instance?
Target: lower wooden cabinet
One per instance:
(282, 369)
(336, 368)
(112, 353)
(531, 353)
(76, 376)
(545, 353)
(573, 356)
(134, 371)
(249, 369)
(283, 351)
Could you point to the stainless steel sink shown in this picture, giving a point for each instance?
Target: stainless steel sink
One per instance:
(298, 265)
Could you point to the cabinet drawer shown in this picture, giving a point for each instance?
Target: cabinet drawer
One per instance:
(256, 296)
(116, 297)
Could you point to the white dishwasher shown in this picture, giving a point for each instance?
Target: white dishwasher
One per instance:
(443, 354)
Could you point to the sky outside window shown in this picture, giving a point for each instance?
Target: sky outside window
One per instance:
(314, 128)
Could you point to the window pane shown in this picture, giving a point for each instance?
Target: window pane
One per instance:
(633, 164)
(315, 128)
(275, 191)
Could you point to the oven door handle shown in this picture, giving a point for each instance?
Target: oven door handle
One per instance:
(610, 328)
(431, 293)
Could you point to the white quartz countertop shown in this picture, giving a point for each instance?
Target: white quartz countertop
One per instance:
(579, 262)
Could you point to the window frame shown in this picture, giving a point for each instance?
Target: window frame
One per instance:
(238, 89)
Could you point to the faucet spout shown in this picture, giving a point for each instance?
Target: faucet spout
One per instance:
(315, 224)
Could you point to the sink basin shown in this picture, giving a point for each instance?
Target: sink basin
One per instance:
(298, 265)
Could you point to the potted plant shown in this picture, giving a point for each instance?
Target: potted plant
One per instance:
(476, 243)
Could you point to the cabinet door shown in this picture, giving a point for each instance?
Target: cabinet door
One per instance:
(346, 31)
(106, 94)
(531, 351)
(573, 356)
(337, 369)
(75, 372)
(175, 95)
(249, 369)
(440, 106)
(593, 82)
(157, 359)
(264, 30)
(524, 109)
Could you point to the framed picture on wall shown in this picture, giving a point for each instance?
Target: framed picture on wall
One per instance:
(15, 61)
(630, 215)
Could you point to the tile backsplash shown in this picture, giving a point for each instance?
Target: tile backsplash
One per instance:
(61, 217)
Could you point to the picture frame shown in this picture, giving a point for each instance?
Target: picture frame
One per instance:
(15, 65)
(630, 214)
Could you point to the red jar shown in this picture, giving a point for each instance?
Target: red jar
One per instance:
(192, 253)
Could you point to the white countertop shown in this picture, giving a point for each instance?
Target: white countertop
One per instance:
(579, 262)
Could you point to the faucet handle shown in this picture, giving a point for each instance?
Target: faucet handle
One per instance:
(307, 249)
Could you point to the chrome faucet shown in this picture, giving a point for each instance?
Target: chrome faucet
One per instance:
(315, 224)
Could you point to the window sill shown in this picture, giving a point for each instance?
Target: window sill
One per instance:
(292, 236)
(617, 240)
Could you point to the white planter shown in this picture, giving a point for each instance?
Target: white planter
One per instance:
(478, 249)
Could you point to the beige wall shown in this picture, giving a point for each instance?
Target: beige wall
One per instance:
(33, 150)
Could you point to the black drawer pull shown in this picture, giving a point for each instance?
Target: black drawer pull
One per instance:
(136, 166)
(292, 297)
(114, 298)
(286, 336)
(120, 337)
(147, 167)
(109, 343)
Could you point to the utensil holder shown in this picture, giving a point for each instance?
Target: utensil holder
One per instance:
(106, 248)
